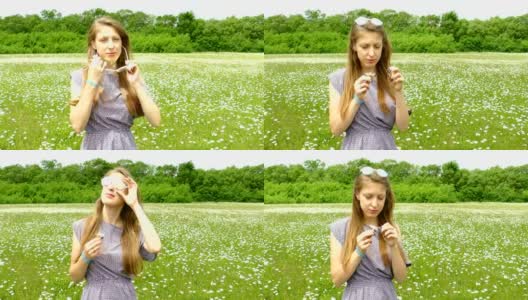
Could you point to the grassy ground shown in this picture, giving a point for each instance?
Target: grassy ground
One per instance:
(207, 101)
(459, 101)
(255, 251)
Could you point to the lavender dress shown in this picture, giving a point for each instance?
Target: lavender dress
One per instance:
(105, 276)
(109, 125)
(372, 280)
(371, 128)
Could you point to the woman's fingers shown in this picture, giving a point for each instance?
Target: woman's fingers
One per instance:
(93, 243)
(394, 70)
(390, 236)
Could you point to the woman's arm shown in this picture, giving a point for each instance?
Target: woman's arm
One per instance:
(339, 272)
(392, 236)
(399, 268)
(150, 109)
(80, 112)
(78, 266)
(152, 241)
(402, 112)
(337, 124)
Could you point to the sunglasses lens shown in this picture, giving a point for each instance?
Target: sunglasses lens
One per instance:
(367, 170)
(106, 181)
(361, 21)
(376, 22)
(117, 183)
(382, 173)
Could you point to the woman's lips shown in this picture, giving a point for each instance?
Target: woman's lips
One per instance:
(110, 195)
(372, 211)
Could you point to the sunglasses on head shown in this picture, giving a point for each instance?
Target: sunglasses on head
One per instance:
(362, 21)
(369, 171)
(113, 181)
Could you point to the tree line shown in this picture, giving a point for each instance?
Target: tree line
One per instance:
(50, 32)
(314, 182)
(315, 32)
(311, 32)
(50, 182)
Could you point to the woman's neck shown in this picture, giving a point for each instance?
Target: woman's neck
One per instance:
(371, 221)
(368, 70)
(111, 215)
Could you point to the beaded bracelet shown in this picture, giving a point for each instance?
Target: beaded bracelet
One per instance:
(85, 259)
(92, 83)
(359, 252)
(358, 101)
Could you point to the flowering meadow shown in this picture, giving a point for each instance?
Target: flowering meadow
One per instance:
(207, 101)
(210, 251)
(458, 251)
(459, 101)
(256, 251)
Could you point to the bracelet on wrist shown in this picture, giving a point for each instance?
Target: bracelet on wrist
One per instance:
(357, 100)
(92, 83)
(359, 252)
(85, 259)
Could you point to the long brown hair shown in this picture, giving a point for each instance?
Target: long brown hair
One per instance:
(132, 100)
(132, 261)
(357, 219)
(353, 68)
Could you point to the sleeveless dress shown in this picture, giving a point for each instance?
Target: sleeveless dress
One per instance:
(105, 276)
(371, 128)
(108, 127)
(372, 280)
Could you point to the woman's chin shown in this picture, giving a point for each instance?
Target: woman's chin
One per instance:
(112, 201)
(110, 60)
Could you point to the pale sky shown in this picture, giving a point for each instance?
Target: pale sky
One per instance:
(207, 9)
(221, 159)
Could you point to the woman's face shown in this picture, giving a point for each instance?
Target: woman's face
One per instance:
(372, 198)
(111, 185)
(368, 48)
(107, 43)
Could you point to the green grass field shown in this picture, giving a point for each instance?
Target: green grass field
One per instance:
(255, 251)
(459, 101)
(207, 101)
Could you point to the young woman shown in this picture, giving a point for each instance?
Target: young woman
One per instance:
(109, 246)
(365, 249)
(366, 97)
(109, 93)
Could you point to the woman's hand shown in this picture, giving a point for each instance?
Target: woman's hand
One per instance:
(390, 234)
(396, 79)
(96, 69)
(133, 73)
(131, 198)
(361, 86)
(93, 248)
(364, 240)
